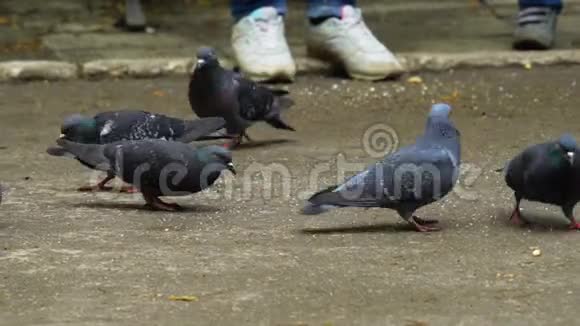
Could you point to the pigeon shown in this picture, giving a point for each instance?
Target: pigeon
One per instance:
(112, 126)
(406, 180)
(109, 127)
(546, 173)
(217, 92)
(156, 167)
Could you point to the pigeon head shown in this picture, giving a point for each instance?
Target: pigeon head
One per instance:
(440, 110)
(438, 123)
(217, 155)
(568, 146)
(79, 129)
(206, 55)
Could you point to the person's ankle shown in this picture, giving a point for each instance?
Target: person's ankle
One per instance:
(319, 20)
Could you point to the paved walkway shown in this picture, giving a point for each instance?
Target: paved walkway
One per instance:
(82, 31)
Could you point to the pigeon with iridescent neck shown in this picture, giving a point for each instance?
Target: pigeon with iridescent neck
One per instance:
(546, 173)
(109, 127)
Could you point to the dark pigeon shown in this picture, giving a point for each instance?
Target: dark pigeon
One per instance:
(156, 167)
(217, 92)
(412, 177)
(109, 127)
(546, 173)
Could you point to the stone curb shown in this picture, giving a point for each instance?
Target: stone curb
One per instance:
(482, 59)
(156, 67)
(138, 68)
(34, 70)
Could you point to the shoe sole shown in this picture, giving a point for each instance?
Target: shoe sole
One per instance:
(530, 45)
(274, 77)
(321, 54)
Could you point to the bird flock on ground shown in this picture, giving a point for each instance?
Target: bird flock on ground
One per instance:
(151, 152)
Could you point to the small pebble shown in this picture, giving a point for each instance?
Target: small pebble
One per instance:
(415, 80)
(537, 253)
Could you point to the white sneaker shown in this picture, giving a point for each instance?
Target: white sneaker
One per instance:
(260, 46)
(348, 41)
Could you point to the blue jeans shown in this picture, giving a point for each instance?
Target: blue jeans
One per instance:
(316, 8)
(556, 4)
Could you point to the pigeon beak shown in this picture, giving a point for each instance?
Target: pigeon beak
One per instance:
(230, 167)
(570, 156)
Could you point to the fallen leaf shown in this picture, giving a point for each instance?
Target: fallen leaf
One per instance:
(451, 98)
(159, 93)
(415, 80)
(187, 298)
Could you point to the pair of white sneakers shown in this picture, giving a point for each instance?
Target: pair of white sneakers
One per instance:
(262, 52)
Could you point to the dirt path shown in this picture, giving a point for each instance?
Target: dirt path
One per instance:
(74, 258)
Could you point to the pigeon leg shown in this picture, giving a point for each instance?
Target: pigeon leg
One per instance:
(424, 221)
(153, 202)
(574, 225)
(237, 140)
(421, 228)
(128, 189)
(99, 186)
(416, 222)
(569, 212)
(516, 216)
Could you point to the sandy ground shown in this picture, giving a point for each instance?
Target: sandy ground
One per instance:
(250, 258)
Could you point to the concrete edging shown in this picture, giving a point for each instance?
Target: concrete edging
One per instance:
(155, 67)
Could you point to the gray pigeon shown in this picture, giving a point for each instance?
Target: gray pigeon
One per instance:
(412, 177)
(546, 173)
(215, 91)
(156, 167)
(109, 127)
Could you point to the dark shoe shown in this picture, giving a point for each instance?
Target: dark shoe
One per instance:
(536, 29)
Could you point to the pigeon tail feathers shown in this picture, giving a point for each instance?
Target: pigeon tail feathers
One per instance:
(197, 129)
(329, 198)
(278, 123)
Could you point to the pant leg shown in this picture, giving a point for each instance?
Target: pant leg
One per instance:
(242, 8)
(556, 4)
(327, 8)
